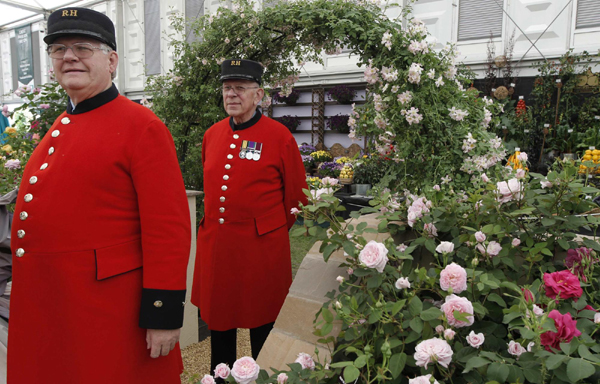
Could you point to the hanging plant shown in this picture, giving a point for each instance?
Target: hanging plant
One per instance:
(291, 99)
(339, 123)
(342, 94)
(291, 122)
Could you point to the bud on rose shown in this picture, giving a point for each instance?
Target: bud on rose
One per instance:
(338, 305)
(340, 279)
(439, 329)
(475, 262)
(367, 349)
(378, 304)
(449, 334)
(528, 295)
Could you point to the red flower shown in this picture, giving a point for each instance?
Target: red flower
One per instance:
(562, 283)
(566, 328)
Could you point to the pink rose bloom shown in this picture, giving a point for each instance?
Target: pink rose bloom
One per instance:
(562, 283)
(520, 173)
(430, 230)
(480, 236)
(222, 371)
(449, 334)
(566, 330)
(439, 329)
(207, 379)
(426, 379)
(597, 318)
(374, 255)
(305, 361)
(44, 106)
(401, 248)
(329, 181)
(515, 242)
(245, 370)
(453, 276)
(350, 271)
(537, 310)
(475, 340)
(340, 279)
(460, 304)
(432, 351)
(402, 283)
(546, 184)
(515, 348)
(294, 211)
(509, 190)
(522, 157)
(485, 178)
(492, 249)
(445, 247)
(436, 187)
(282, 378)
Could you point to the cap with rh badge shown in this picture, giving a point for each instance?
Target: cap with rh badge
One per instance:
(80, 21)
(237, 69)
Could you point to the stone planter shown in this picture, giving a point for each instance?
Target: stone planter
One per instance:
(362, 189)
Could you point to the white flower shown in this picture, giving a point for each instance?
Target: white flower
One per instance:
(480, 236)
(597, 318)
(436, 187)
(457, 114)
(475, 340)
(515, 348)
(439, 82)
(431, 73)
(374, 255)
(537, 310)
(449, 334)
(446, 179)
(405, 97)
(530, 346)
(522, 157)
(395, 88)
(485, 178)
(340, 279)
(445, 247)
(401, 248)
(414, 73)
(402, 283)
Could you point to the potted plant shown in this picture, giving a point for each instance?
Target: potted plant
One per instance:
(342, 94)
(291, 122)
(306, 149)
(338, 123)
(290, 99)
(308, 162)
(368, 172)
(329, 169)
(566, 141)
(321, 156)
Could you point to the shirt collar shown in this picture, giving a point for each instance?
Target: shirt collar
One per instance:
(92, 103)
(247, 124)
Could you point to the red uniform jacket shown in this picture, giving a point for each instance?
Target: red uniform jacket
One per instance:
(243, 267)
(100, 240)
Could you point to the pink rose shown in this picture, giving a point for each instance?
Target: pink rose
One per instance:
(329, 181)
(245, 370)
(509, 190)
(480, 236)
(426, 379)
(449, 334)
(537, 310)
(305, 361)
(566, 329)
(207, 379)
(222, 371)
(439, 329)
(432, 351)
(340, 279)
(520, 173)
(282, 378)
(430, 230)
(453, 276)
(515, 242)
(44, 106)
(562, 283)
(401, 248)
(475, 340)
(374, 255)
(402, 283)
(492, 249)
(546, 184)
(294, 211)
(515, 348)
(485, 178)
(350, 271)
(597, 318)
(445, 247)
(522, 157)
(436, 187)
(460, 304)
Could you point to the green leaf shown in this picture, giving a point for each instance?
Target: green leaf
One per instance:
(555, 361)
(415, 306)
(533, 375)
(498, 372)
(416, 324)
(398, 305)
(494, 297)
(431, 314)
(375, 316)
(328, 250)
(327, 316)
(579, 369)
(361, 361)
(397, 363)
(591, 244)
(563, 244)
(351, 373)
(341, 364)
(476, 362)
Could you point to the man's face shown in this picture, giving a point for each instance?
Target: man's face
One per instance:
(84, 78)
(241, 104)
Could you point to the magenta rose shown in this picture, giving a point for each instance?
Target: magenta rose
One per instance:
(562, 283)
(460, 304)
(245, 370)
(566, 330)
(528, 295)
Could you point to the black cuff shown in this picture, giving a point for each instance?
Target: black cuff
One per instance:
(162, 309)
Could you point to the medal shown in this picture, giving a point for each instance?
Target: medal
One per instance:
(250, 153)
(243, 149)
(257, 151)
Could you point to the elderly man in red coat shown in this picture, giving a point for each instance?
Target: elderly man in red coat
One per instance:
(101, 232)
(253, 177)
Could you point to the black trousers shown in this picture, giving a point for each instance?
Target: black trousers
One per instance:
(223, 344)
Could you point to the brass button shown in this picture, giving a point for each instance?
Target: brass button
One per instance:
(20, 252)
(33, 180)
(23, 215)
(158, 303)
(28, 197)
(55, 133)
(21, 233)
(44, 166)
(51, 150)
(65, 120)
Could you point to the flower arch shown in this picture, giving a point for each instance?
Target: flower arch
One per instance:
(417, 113)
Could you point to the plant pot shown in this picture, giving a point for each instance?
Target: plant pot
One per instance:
(362, 189)
(569, 156)
(344, 180)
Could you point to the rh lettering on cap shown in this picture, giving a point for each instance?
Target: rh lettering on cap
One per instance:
(236, 62)
(72, 12)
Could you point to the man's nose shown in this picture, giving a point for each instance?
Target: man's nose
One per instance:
(70, 55)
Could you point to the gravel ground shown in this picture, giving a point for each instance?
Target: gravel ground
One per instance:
(196, 357)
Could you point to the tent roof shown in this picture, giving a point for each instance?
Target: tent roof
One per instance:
(17, 11)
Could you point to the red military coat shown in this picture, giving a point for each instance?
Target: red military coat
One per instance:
(243, 267)
(100, 240)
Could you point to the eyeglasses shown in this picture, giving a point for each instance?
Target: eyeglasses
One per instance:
(81, 50)
(237, 89)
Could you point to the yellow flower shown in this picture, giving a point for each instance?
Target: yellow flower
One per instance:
(7, 148)
(10, 130)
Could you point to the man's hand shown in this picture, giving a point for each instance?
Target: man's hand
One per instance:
(161, 341)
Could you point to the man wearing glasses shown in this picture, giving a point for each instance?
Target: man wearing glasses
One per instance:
(101, 233)
(253, 177)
